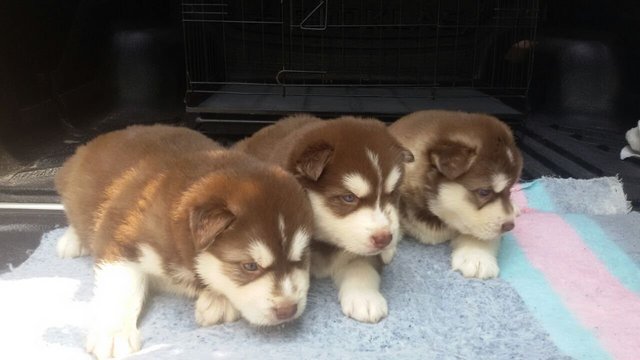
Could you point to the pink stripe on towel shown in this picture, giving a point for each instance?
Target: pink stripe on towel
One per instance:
(519, 198)
(590, 292)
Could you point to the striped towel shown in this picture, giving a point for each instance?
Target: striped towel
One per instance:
(568, 288)
(577, 277)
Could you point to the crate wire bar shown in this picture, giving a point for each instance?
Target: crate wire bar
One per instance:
(368, 57)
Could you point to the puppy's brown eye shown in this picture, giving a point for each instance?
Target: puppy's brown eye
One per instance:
(483, 192)
(349, 198)
(250, 266)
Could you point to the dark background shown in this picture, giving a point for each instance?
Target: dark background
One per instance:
(74, 61)
(72, 69)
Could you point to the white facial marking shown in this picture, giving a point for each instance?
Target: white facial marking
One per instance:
(454, 208)
(392, 180)
(294, 288)
(261, 253)
(357, 184)
(510, 155)
(299, 243)
(380, 219)
(287, 286)
(283, 236)
(499, 182)
(300, 285)
(252, 300)
(353, 232)
(373, 157)
(255, 300)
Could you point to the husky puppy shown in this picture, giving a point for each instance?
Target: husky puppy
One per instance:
(166, 207)
(459, 187)
(351, 169)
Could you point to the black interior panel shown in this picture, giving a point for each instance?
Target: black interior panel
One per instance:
(70, 70)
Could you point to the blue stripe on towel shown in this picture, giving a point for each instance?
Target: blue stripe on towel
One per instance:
(537, 196)
(615, 259)
(564, 330)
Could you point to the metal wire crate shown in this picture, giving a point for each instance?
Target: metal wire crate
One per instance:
(357, 56)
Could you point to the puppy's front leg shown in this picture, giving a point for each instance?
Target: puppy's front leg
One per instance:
(359, 284)
(120, 289)
(212, 309)
(475, 258)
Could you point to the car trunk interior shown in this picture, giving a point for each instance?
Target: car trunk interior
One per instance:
(564, 76)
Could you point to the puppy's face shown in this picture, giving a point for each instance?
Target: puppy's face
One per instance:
(256, 247)
(351, 175)
(473, 191)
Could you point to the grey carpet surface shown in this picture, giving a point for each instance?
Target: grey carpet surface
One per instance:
(434, 313)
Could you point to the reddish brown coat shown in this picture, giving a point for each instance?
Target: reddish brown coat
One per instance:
(176, 190)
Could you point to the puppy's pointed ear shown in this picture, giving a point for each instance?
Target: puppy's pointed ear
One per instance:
(313, 160)
(452, 159)
(207, 223)
(406, 156)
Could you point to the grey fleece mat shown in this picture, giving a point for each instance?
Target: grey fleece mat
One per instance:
(434, 313)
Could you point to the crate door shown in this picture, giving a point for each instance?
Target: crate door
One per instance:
(231, 42)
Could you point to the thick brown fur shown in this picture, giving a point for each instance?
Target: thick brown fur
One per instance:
(308, 147)
(146, 183)
(167, 206)
(455, 149)
(320, 153)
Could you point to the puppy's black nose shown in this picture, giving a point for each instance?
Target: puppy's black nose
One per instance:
(284, 312)
(381, 240)
(508, 226)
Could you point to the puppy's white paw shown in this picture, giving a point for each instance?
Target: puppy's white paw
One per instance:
(212, 309)
(69, 245)
(364, 305)
(113, 344)
(475, 263)
(387, 254)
